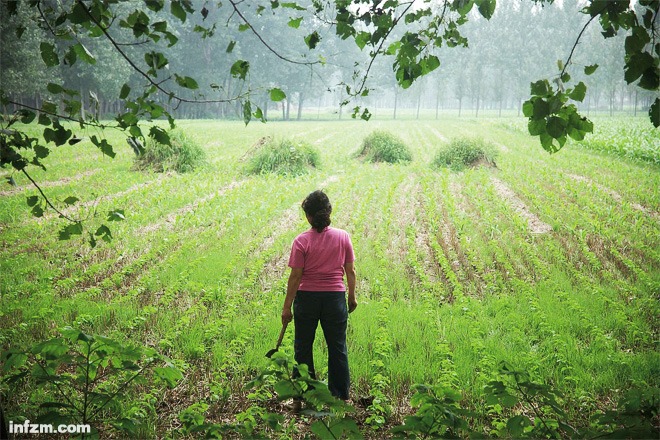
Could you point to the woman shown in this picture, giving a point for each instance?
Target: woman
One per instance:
(319, 259)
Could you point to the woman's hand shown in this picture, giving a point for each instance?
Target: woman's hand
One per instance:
(352, 304)
(287, 316)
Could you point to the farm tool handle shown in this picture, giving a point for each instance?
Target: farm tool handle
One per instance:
(279, 340)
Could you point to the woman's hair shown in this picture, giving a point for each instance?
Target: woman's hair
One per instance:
(318, 208)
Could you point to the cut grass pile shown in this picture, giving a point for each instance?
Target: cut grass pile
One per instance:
(284, 157)
(465, 152)
(383, 146)
(182, 155)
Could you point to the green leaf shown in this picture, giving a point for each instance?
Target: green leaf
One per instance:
(541, 109)
(291, 5)
(186, 81)
(486, 8)
(285, 389)
(362, 38)
(54, 88)
(159, 135)
(27, 116)
(84, 54)
(654, 113)
(247, 112)
(41, 151)
(48, 54)
(104, 146)
(37, 211)
(540, 88)
(277, 95)
(295, 22)
(588, 70)
(536, 127)
(240, 69)
(230, 46)
(528, 108)
(312, 40)
(13, 360)
(243, 27)
(556, 127)
(69, 230)
(104, 232)
(170, 375)
(116, 215)
(517, 424)
(32, 200)
(178, 11)
(578, 92)
(71, 200)
(125, 90)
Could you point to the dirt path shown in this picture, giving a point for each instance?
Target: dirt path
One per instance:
(534, 223)
(49, 184)
(615, 195)
(171, 218)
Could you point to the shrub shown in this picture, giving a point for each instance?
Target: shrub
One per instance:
(182, 155)
(284, 157)
(382, 146)
(465, 152)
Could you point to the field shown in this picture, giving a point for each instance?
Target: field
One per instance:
(550, 264)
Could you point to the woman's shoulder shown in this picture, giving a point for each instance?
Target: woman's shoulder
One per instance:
(338, 231)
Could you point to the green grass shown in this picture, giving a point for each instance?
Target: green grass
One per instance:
(465, 152)
(451, 281)
(183, 154)
(383, 146)
(285, 157)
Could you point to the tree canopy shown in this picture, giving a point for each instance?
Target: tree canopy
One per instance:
(135, 52)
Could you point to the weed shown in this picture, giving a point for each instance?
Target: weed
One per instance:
(182, 154)
(382, 146)
(284, 157)
(465, 152)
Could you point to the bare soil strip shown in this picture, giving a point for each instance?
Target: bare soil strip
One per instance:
(86, 205)
(536, 226)
(170, 220)
(615, 195)
(410, 211)
(439, 135)
(49, 184)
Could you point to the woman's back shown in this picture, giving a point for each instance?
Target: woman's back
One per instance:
(322, 255)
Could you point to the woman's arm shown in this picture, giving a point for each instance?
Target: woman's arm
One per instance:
(349, 268)
(291, 289)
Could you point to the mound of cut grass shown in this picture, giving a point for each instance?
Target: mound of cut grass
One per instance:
(182, 155)
(383, 146)
(466, 152)
(284, 157)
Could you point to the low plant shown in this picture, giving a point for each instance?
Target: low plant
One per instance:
(465, 152)
(383, 146)
(284, 157)
(182, 154)
(85, 378)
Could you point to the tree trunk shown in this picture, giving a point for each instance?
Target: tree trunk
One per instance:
(288, 109)
(460, 106)
(318, 112)
(301, 97)
(476, 114)
(437, 103)
(396, 101)
(635, 106)
(283, 112)
(419, 103)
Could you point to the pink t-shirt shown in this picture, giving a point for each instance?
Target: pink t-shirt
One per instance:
(322, 256)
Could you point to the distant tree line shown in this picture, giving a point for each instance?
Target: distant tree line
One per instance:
(519, 44)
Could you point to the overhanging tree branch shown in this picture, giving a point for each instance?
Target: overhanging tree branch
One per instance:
(269, 47)
(157, 85)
